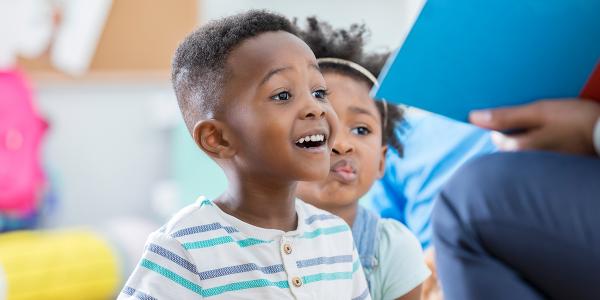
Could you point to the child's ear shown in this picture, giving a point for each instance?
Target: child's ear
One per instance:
(211, 137)
(384, 150)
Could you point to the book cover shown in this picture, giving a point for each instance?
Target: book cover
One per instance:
(463, 55)
(591, 90)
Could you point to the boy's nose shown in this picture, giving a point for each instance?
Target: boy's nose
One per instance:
(313, 110)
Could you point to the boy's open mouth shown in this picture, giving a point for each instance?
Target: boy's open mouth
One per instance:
(312, 141)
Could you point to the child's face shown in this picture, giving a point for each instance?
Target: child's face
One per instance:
(357, 159)
(282, 122)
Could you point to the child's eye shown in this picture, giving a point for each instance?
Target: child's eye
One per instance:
(361, 130)
(320, 94)
(282, 96)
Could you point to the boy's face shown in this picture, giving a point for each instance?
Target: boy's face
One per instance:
(357, 159)
(282, 123)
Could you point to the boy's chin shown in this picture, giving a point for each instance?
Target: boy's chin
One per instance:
(315, 175)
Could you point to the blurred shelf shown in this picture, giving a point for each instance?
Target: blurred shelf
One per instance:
(103, 77)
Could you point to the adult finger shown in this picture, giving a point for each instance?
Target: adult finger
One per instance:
(519, 117)
(532, 140)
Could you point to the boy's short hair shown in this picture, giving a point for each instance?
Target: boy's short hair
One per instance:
(199, 65)
(348, 44)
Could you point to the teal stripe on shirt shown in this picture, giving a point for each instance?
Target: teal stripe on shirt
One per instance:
(222, 240)
(355, 266)
(258, 283)
(326, 276)
(236, 286)
(242, 285)
(206, 202)
(208, 243)
(250, 242)
(172, 276)
(325, 231)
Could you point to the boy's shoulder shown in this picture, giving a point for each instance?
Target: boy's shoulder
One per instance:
(314, 222)
(316, 217)
(203, 220)
(185, 221)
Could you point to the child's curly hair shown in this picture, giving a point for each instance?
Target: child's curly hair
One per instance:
(348, 44)
(199, 69)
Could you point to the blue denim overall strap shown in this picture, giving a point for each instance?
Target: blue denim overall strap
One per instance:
(366, 237)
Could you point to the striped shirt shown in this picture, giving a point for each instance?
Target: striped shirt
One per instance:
(203, 252)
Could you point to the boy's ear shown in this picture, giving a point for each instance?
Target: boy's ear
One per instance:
(211, 136)
(384, 150)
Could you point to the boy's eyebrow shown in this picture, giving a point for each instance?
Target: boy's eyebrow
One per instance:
(277, 70)
(273, 72)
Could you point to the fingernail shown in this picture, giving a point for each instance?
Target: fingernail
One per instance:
(503, 142)
(480, 116)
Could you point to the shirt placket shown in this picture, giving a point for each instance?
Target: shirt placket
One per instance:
(289, 255)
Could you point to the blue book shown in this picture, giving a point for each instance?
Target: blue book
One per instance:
(463, 55)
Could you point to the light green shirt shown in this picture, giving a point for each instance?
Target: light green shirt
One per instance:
(400, 263)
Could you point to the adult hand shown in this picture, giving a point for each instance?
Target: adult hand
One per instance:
(564, 125)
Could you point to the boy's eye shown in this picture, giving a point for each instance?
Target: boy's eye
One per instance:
(361, 130)
(283, 96)
(320, 94)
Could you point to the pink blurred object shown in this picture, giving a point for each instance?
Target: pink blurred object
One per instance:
(21, 130)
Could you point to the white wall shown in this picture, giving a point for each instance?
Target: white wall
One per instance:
(389, 20)
(105, 148)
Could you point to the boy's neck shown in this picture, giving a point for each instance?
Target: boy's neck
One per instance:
(261, 202)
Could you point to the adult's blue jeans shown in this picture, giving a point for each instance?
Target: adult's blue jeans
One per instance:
(520, 226)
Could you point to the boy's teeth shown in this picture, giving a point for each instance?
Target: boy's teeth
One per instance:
(313, 138)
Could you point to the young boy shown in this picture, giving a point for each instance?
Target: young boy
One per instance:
(254, 100)
(391, 256)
